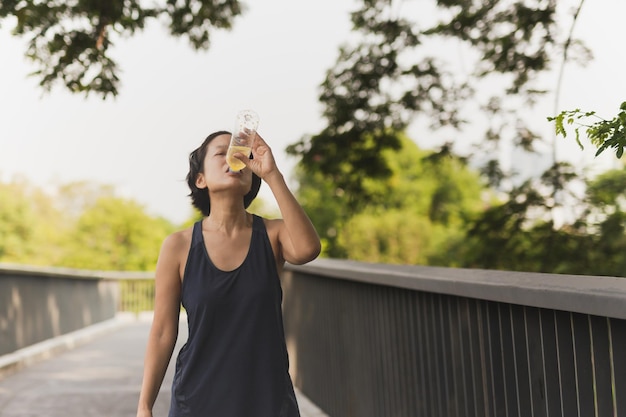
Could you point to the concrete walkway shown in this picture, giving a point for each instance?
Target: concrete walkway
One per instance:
(95, 372)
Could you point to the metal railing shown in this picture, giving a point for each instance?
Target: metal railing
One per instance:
(136, 294)
(39, 303)
(380, 340)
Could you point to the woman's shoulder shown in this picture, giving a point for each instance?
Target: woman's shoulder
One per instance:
(179, 240)
(272, 223)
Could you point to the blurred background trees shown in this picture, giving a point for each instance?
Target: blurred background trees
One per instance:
(373, 194)
(96, 231)
(83, 225)
(71, 41)
(394, 75)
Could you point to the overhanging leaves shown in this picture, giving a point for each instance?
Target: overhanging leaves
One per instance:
(70, 40)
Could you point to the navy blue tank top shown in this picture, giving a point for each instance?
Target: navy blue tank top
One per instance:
(234, 363)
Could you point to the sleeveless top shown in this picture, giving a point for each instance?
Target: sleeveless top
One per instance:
(234, 363)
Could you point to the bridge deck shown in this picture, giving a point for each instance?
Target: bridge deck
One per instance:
(100, 377)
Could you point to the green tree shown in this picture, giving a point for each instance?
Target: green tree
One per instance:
(606, 196)
(73, 198)
(17, 227)
(389, 77)
(393, 76)
(71, 41)
(116, 234)
(392, 236)
(325, 204)
(79, 225)
(414, 215)
(602, 133)
(31, 225)
(519, 233)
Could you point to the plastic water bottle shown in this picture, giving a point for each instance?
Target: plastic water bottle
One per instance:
(241, 140)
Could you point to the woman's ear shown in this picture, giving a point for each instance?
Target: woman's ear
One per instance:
(200, 181)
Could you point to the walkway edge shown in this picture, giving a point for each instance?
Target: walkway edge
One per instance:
(22, 358)
(308, 408)
(13, 362)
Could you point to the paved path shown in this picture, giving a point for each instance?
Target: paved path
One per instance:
(100, 377)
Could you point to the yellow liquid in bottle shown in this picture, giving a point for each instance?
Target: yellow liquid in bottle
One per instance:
(234, 163)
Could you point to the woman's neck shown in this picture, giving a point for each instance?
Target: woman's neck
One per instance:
(227, 217)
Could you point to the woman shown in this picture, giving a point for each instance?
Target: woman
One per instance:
(225, 272)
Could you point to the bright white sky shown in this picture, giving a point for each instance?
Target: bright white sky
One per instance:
(172, 97)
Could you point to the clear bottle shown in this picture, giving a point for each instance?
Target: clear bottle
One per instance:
(241, 140)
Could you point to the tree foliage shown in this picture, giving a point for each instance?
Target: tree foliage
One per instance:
(16, 223)
(414, 215)
(602, 133)
(83, 225)
(100, 231)
(71, 41)
(519, 234)
(390, 76)
(115, 234)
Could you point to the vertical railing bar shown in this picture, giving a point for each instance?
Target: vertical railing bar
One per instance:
(410, 379)
(429, 361)
(394, 351)
(519, 409)
(412, 352)
(471, 303)
(442, 328)
(543, 365)
(426, 366)
(331, 320)
(416, 349)
(335, 307)
(383, 358)
(483, 359)
(394, 357)
(324, 328)
(613, 389)
(530, 378)
(369, 335)
(422, 360)
(435, 298)
(348, 335)
(506, 399)
(380, 353)
(491, 345)
(571, 321)
(463, 364)
(454, 357)
(401, 319)
(593, 368)
(375, 348)
(558, 362)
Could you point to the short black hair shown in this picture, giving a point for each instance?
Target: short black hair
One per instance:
(200, 197)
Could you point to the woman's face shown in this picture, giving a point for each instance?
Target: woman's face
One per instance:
(216, 174)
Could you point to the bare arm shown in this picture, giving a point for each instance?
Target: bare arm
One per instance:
(164, 330)
(297, 236)
(299, 241)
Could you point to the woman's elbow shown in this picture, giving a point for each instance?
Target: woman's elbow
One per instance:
(165, 329)
(307, 254)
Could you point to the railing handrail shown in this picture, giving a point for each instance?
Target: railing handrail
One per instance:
(61, 272)
(595, 295)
